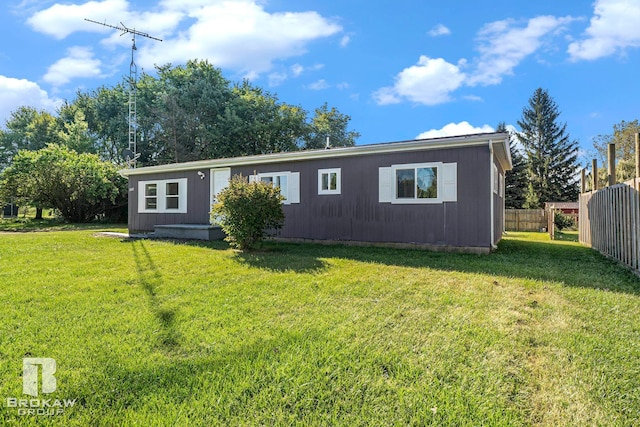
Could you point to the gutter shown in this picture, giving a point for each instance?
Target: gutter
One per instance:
(491, 182)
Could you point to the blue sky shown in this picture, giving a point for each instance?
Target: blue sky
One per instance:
(400, 69)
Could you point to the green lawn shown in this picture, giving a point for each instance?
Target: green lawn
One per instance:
(155, 333)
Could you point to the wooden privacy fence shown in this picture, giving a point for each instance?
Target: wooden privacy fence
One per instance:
(525, 219)
(610, 222)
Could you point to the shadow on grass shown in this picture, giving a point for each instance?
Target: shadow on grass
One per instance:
(174, 380)
(270, 256)
(279, 259)
(150, 278)
(561, 261)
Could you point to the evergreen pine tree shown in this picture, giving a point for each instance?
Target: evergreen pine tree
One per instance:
(515, 179)
(550, 154)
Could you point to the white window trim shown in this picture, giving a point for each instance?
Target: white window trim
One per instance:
(338, 189)
(161, 195)
(415, 200)
(447, 183)
(293, 184)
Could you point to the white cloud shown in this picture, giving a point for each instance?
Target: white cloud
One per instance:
(455, 129)
(79, 62)
(242, 36)
(319, 85)
(503, 45)
(276, 79)
(20, 92)
(297, 70)
(430, 82)
(613, 28)
(345, 40)
(439, 30)
(474, 98)
(60, 20)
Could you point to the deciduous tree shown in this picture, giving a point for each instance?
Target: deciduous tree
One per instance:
(80, 186)
(330, 123)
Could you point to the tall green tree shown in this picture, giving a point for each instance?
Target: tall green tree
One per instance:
(106, 112)
(516, 182)
(183, 111)
(550, 153)
(75, 133)
(261, 124)
(27, 129)
(624, 137)
(330, 123)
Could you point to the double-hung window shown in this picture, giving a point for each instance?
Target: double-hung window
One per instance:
(162, 196)
(329, 181)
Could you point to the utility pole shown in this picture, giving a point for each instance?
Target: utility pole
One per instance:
(131, 155)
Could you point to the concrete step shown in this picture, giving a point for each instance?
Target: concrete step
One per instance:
(188, 231)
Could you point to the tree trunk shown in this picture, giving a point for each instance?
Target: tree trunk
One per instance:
(38, 213)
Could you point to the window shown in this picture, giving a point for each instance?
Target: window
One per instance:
(163, 196)
(418, 183)
(172, 195)
(329, 181)
(288, 182)
(279, 181)
(151, 196)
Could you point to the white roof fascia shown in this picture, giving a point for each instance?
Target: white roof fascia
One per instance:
(358, 150)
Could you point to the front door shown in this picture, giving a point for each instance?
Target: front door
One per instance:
(219, 181)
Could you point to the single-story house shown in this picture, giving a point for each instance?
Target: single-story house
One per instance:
(441, 193)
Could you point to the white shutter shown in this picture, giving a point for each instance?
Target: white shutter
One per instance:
(141, 200)
(253, 178)
(293, 194)
(385, 185)
(450, 182)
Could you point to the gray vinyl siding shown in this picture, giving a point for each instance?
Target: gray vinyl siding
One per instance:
(197, 202)
(356, 214)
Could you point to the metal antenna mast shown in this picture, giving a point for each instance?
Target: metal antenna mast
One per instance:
(131, 155)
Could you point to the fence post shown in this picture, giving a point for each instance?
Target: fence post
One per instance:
(612, 164)
(637, 156)
(594, 175)
(583, 183)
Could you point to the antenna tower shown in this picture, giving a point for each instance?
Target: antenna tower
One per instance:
(131, 155)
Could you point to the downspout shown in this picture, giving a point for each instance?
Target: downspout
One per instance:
(491, 181)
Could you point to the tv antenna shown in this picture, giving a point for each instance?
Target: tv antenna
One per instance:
(130, 155)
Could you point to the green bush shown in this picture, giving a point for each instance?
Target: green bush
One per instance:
(248, 211)
(81, 187)
(562, 221)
